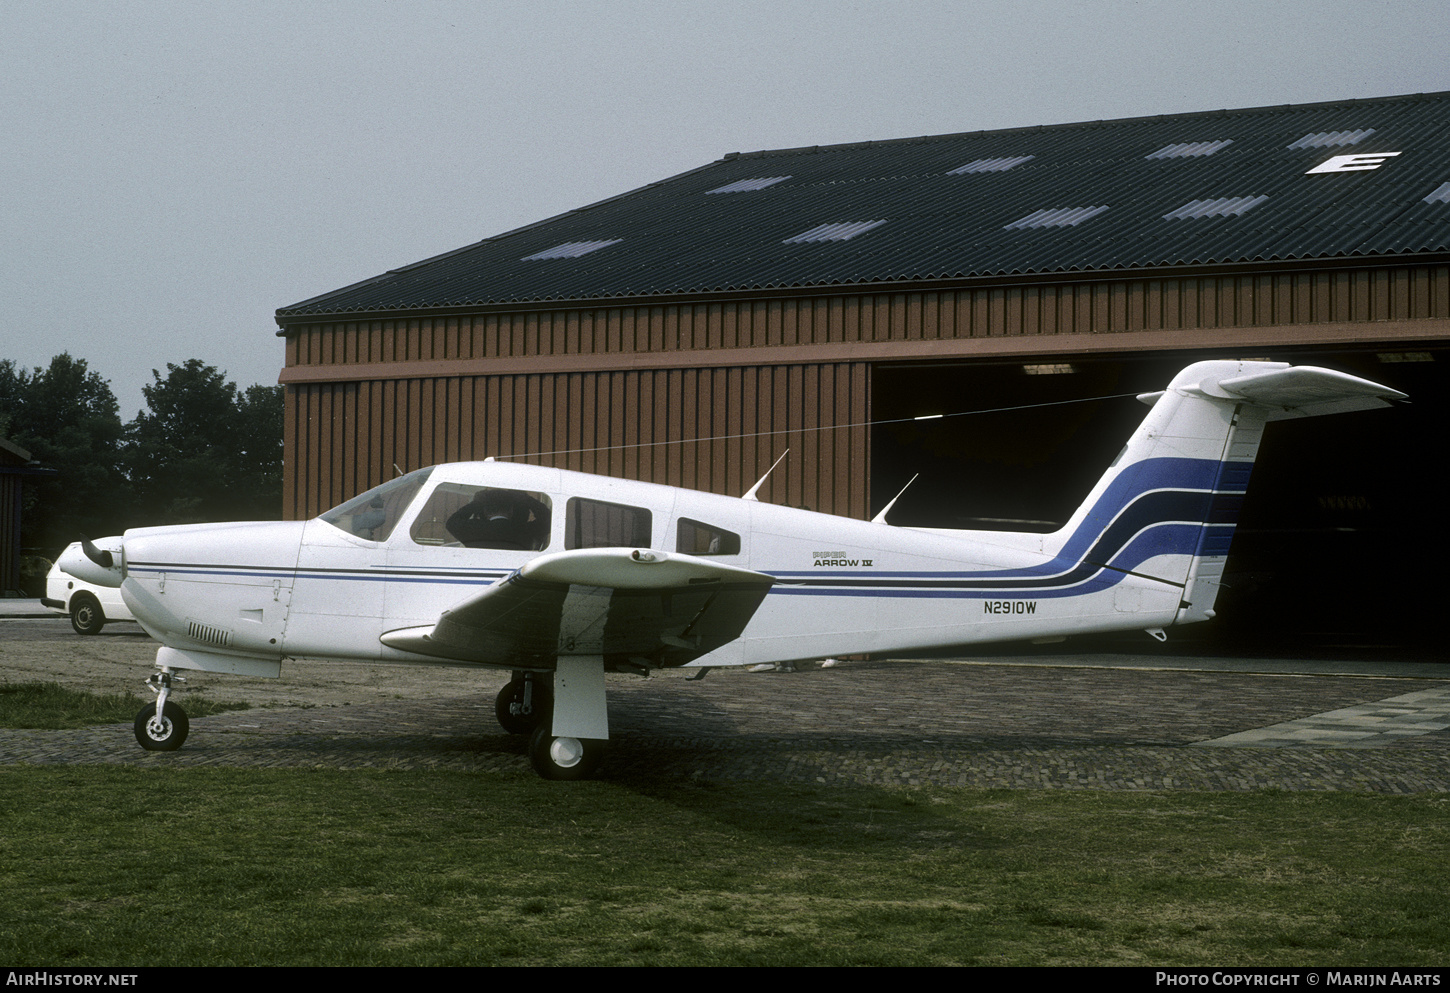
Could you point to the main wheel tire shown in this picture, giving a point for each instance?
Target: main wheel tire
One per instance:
(86, 615)
(565, 758)
(165, 736)
(508, 706)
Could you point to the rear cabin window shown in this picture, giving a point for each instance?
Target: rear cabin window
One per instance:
(596, 524)
(458, 515)
(698, 538)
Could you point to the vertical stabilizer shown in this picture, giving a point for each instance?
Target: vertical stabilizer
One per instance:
(1166, 509)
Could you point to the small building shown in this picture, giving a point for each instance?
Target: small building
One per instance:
(14, 468)
(822, 299)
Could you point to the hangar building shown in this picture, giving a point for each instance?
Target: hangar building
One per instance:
(820, 299)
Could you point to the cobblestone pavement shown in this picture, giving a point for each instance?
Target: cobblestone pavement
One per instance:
(984, 724)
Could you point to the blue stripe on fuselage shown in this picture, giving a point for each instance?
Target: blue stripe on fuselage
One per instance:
(1166, 506)
(183, 570)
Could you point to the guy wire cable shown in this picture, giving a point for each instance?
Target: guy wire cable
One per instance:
(803, 430)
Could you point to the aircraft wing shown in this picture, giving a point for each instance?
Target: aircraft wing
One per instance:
(634, 606)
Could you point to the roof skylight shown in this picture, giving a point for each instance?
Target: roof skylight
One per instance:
(1322, 139)
(1189, 149)
(1060, 217)
(1222, 207)
(748, 185)
(1441, 194)
(571, 250)
(839, 231)
(991, 165)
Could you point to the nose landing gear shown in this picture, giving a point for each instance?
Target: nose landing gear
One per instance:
(162, 728)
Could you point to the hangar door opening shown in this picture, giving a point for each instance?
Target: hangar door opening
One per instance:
(1337, 537)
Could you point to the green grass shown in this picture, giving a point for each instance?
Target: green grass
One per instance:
(194, 866)
(52, 707)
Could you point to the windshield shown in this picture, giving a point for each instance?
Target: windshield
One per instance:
(374, 514)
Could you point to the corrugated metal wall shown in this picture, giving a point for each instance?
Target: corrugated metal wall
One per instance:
(1396, 293)
(367, 396)
(343, 438)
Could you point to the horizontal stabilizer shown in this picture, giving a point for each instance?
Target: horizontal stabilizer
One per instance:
(635, 607)
(1303, 391)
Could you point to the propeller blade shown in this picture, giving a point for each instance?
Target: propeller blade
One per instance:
(100, 558)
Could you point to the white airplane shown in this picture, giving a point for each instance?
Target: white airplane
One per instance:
(563, 576)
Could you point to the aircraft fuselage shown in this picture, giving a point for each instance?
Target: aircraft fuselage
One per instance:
(314, 589)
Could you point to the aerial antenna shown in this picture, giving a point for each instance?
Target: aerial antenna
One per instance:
(881, 517)
(761, 482)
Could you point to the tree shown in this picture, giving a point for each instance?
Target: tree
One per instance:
(204, 451)
(67, 418)
(258, 454)
(10, 398)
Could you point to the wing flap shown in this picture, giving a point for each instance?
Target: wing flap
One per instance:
(634, 606)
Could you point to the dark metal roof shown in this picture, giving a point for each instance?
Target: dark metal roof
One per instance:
(1360, 178)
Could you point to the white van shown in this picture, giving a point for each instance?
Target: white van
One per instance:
(89, 607)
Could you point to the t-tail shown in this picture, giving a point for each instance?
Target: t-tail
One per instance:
(1167, 507)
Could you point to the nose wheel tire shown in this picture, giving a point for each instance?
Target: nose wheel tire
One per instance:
(563, 757)
(164, 735)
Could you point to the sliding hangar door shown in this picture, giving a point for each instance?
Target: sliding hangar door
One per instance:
(1339, 535)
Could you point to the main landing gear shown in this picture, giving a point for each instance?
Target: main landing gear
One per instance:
(563, 757)
(564, 714)
(162, 728)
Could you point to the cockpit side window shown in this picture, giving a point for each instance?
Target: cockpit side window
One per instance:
(484, 517)
(374, 514)
(596, 524)
(697, 538)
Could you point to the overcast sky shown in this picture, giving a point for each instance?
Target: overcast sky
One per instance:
(173, 172)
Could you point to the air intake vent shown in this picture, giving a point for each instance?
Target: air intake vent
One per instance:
(208, 634)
